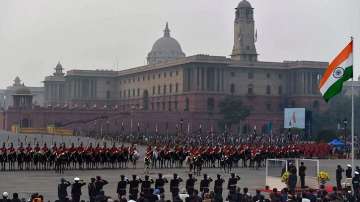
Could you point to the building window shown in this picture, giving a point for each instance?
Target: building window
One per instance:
(268, 107)
(176, 105)
(152, 106)
(163, 106)
(138, 78)
(250, 89)
(170, 88)
(169, 106)
(210, 104)
(232, 88)
(138, 92)
(187, 104)
(170, 74)
(268, 75)
(107, 94)
(159, 75)
(120, 94)
(124, 81)
(148, 77)
(158, 106)
(153, 76)
(129, 80)
(293, 103)
(129, 93)
(154, 89)
(133, 93)
(159, 90)
(164, 89)
(143, 78)
(176, 87)
(268, 89)
(316, 104)
(164, 74)
(176, 72)
(232, 74)
(250, 75)
(280, 90)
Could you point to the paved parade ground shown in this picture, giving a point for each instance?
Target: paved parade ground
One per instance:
(45, 182)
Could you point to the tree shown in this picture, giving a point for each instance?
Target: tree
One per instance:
(339, 108)
(233, 111)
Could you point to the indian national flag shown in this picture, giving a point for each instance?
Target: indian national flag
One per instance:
(339, 71)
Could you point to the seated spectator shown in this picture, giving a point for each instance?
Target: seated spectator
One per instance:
(258, 196)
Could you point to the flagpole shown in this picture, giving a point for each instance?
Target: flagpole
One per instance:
(352, 118)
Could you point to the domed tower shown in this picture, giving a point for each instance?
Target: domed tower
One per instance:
(244, 33)
(59, 70)
(164, 49)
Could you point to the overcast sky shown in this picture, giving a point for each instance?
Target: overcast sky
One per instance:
(118, 34)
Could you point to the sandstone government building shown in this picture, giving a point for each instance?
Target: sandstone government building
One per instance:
(173, 89)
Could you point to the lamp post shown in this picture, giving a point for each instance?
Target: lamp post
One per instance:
(345, 122)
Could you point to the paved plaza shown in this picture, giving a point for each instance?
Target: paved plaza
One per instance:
(45, 182)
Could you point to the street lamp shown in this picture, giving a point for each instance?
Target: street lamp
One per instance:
(345, 122)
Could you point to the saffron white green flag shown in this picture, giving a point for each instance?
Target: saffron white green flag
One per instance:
(339, 71)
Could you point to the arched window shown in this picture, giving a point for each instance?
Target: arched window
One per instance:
(232, 88)
(210, 104)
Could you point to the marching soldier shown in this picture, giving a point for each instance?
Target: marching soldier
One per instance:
(204, 184)
(218, 186)
(174, 186)
(134, 188)
(160, 182)
(302, 171)
(146, 185)
(76, 189)
(62, 190)
(92, 190)
(121, 188)
(232, 183)
(190, 183)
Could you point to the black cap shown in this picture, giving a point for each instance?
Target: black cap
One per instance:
(218, 175)
(205, 175)
(160, 174)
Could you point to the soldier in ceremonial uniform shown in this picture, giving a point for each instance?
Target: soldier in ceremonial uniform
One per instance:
(99, 184)
(121, 187)
(348, 172)
(21, 156)
(190, 183)
(160, 182)
(232, 183)
(134, 188)
(92, 190)
(205, 183)
(218, 188)
(146, 185)
(76, 189)
(174, 186)
(356, 185)
(62, 190)
(339, 175)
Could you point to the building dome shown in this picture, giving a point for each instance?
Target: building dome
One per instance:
(244, 4)
(164, 49)
(23, 90)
